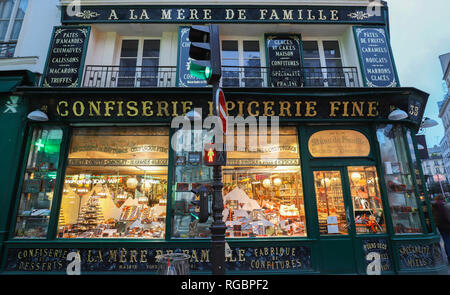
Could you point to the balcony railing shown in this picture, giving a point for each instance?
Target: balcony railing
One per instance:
(247, 77)
(7, 49)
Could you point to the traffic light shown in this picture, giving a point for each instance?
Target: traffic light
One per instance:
(212, 157)
(205, 53)
(201, 204)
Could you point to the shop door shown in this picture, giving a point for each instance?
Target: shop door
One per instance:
(334, 219)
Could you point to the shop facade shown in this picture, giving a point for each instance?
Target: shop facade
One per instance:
(330, 182)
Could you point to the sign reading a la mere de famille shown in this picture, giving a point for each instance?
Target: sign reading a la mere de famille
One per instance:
(223, 14)
(66, 57)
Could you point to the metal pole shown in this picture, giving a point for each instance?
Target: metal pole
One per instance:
(218, 227)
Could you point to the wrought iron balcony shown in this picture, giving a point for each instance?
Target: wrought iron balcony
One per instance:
(7, 49)
(242, 77)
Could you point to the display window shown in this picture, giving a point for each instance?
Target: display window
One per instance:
(399, 180)
(39, 183)
(330, 203)
(366, 197)
(262, 193)
(115, 183)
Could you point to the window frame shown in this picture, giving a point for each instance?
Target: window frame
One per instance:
(241, 59)
(139, 57)
(9, 30)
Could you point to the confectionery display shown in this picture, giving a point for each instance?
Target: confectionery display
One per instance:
(263, 204)
(98, 206)
(367, 206)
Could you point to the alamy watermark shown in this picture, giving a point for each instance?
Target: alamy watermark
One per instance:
(257, 129)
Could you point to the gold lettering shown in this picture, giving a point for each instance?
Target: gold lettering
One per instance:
(65, 113)
(147, 108)
(112, 255)
(268, 108)
(89, 258)
(133, 255)
(108, 108)
(310, 16)
(241, 255)
(161, 108)
(373, 109)
(119, 108)
(123, 255)
(285, 106)
(274, 15)
(249, 108)
(74, 108)
(211, 106)
(143, 256)
(230, 106)
(240, 108)
(132, 108)
(297, 109)
(300, 14)
(358, 107)
(334, 108)
(174, 108)
(95, 108)
(310, 109)
(345, 104)
(187, 106)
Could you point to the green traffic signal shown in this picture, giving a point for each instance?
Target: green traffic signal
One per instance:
(200, 71)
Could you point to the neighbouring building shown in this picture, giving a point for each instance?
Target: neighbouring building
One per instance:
(444, 110)
(105, 174)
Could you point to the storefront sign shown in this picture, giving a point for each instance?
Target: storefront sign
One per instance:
(255, 259)
(420, 256)
(284, 61)
(184, 78)
(117, 162)
(376, 62)
(65, 60)
(338, 143)
(229, 14)
(379, 246)
(143, 106)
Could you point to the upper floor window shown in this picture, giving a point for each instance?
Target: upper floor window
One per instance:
(12, 13)
(323, 63)
(139, 61)
(241, 61)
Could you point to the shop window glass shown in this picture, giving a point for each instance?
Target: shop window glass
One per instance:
(190, 173)
(115, 183)
(128, 63)
(366, 198)
(39, 183)
(419, 182)
(262, 193)
(330, 203)
(399, 180)
(230, 63)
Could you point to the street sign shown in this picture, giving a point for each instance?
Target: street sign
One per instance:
(221, 108)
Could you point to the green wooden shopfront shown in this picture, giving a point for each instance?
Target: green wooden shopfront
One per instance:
(333, 190)
(105, 176)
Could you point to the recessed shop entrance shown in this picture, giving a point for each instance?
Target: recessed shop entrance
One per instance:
(346, 197)
(348, 203)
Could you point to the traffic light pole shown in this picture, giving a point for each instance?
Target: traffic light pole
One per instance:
(218, 227)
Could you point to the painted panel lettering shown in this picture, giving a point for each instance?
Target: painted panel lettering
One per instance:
(376, 60)
(66, 57)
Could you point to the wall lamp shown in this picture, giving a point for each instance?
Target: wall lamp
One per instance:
(427, 123)
(39, 115)
(397, 115)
